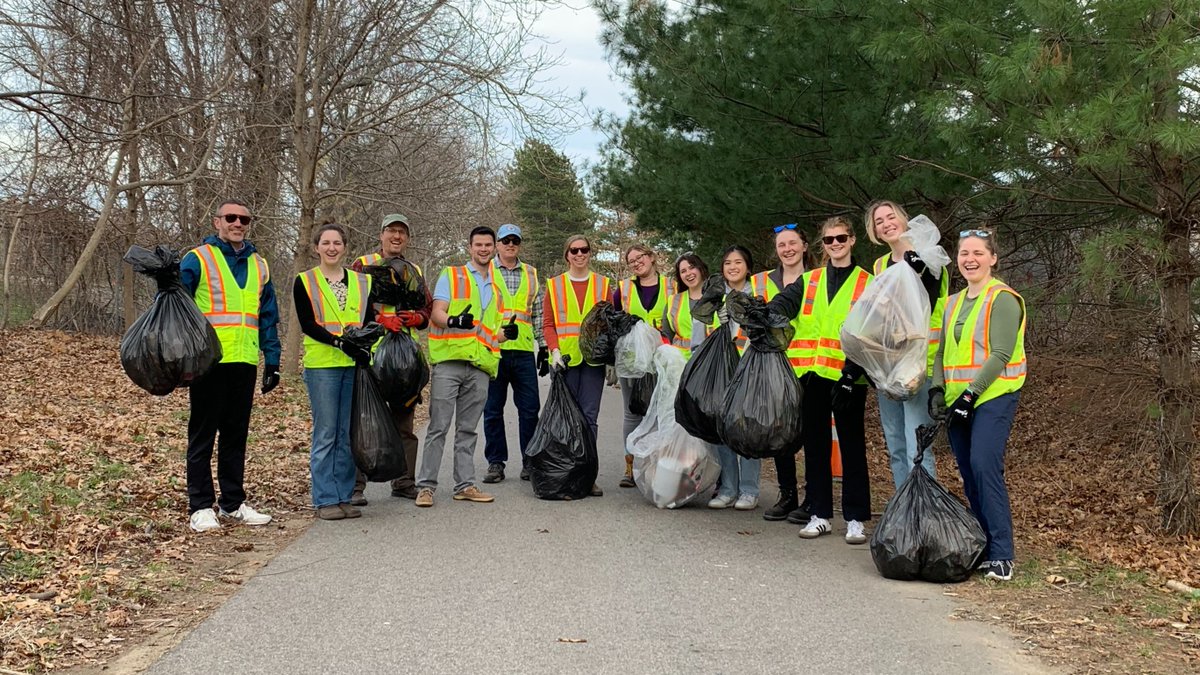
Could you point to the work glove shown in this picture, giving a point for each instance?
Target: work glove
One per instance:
(270, 378)
(610, 376)
(543, 361)
(962, 411)
(556, 360)
(937, 404)
(510, 329)
(464, 321)
(360, 356)
(410, 319)
(914, 261)
(390, 323)
(841, 399)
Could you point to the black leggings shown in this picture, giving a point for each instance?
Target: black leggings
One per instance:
(818, 451)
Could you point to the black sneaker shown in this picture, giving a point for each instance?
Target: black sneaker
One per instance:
(495, 473)
(525, 472)
(801, 514)
(1001, 570)
(786, 504)
(409, 492)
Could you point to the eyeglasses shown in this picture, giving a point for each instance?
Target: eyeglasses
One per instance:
(982, 234)
(789, 226)
(637, 259)
(510, 241)
(233, 218)
(582, 249)
(839, 238)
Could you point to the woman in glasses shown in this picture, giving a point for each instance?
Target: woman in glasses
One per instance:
(977, 378)
(739, 483)
(820, 301)
(886, 221)
(645, 295)
(569, 297)
(791, 248)
(677, 323)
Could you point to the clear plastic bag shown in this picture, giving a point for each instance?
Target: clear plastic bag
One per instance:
(887, 332)
(924, 237)
(636, 349)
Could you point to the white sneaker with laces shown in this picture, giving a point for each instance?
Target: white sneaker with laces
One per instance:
(720, 502)
(247, 516)
(855, 534)
(203, 521)
(746, 503)
(816, 527)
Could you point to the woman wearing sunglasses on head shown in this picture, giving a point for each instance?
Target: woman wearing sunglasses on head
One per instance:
(822, 299)
(645, 295)
(978, 373)
(791, 248)
(739, 483)
(569, 297)
(886, 221)
(678, 326)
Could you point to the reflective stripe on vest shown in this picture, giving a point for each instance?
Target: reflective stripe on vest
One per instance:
(331, 317)
(765, 288)
(632, 301)
(478, 346)
(680, 318)
(818, 345)
(518, 305)
(567, 313)
(935, 317)
(231, 309)
(963, 359)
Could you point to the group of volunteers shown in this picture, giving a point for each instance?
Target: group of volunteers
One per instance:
(494, 323)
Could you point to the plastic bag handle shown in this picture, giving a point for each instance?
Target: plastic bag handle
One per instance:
(926, 433)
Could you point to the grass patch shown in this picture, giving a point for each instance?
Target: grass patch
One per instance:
(24, 566)
(32, 492)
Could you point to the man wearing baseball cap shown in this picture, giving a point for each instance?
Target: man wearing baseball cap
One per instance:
(394, 232)
(521, 301)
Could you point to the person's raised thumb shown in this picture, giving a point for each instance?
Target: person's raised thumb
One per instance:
(512, 321)
(468, 310)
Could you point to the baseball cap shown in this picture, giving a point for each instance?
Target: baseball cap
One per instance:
(394, 218)
(508, 230)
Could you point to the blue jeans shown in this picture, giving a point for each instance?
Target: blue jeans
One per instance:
(586, 384)
(330, 391)
(900, 420)
(516, 368)
(979, 450)
(739, 475)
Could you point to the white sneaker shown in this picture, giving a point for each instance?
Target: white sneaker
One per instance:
(746, 503)
(816, 527)
(203, 521)
(720, 502)
(247, 515)
(855, 533)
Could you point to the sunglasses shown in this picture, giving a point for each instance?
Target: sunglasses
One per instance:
(233, 218)
(510, 241)
(839, 238)
(582, 249)
(789, 226)
(982, 234)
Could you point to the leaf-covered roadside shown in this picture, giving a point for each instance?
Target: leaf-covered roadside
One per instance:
(94, 543)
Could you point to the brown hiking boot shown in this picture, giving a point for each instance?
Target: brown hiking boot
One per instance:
(425, 497)
(357, 498)
(472, 494)
(350, 511)
(596, 491)
(627, 479)
(331, 512)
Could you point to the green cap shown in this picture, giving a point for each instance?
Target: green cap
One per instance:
(392, 219)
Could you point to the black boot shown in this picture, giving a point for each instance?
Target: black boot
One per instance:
(786, 504)
(801, 514)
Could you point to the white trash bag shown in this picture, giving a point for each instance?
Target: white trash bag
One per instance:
(670, 466)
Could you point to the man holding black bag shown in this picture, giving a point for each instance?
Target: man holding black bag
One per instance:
(231, 285)
(394, 233)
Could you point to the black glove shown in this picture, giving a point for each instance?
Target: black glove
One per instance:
(543, 361)
(510, 329)
(914, 261)
(464, 321)
(937, 404)
(270, 378)
(962, 411)
(842, 397)
(360, 356)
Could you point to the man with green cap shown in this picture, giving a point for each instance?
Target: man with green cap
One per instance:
(394, 233)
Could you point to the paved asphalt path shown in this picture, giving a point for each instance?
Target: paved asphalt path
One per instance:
(516, 586)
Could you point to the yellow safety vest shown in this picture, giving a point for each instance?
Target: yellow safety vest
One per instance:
(819, 331)
(765, 288)
(568, 315)
(963, 358)
(936, 317)
(231, 309)
(478, 346)
(381, 309)
(331, 317)
(633, 302)
(679, 317)
(519, 305)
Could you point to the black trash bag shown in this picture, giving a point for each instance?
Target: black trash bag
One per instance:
(600, 330)
(401, 370)
(768, 330)
(926, 532)
(397, 282)
(562, 453)
(375, 440)
(171, 344)
(700, 401)
(712, 298)
(641, 389)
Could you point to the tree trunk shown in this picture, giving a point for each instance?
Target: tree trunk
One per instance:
(133, 203)
(10, 250)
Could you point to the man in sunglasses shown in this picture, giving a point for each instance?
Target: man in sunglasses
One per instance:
(521, 302)
(394, 233)
(231, 285)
